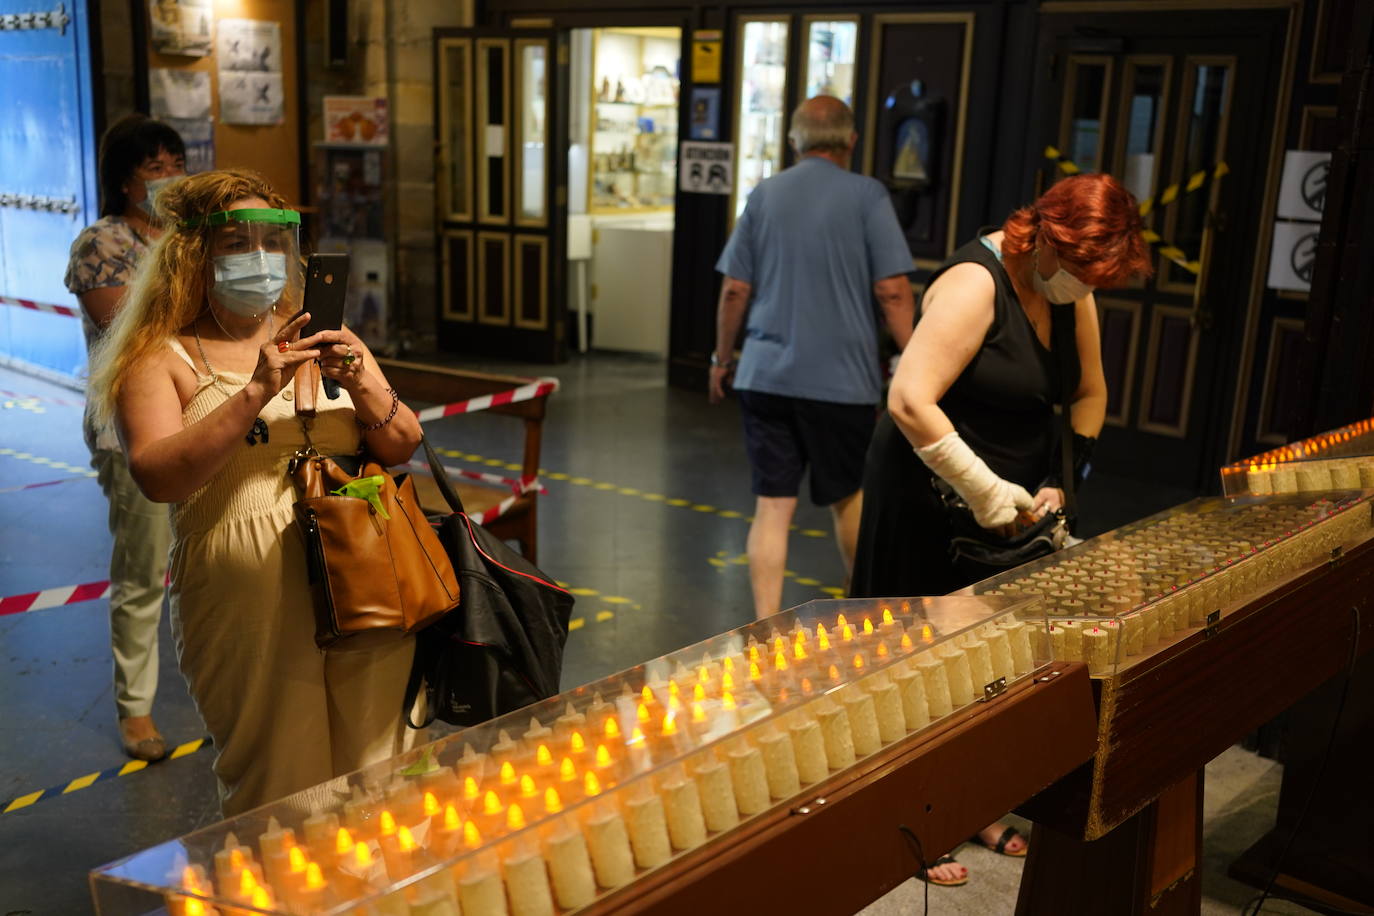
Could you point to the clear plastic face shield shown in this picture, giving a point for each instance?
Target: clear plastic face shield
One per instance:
(255, 257)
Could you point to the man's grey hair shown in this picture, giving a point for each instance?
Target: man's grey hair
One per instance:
(824, 127)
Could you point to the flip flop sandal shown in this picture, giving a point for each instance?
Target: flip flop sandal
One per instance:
(924, 873)
(1000, 847)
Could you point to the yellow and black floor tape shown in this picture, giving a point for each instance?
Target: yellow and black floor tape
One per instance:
(724, 560)
(84, 782)
(607, 487)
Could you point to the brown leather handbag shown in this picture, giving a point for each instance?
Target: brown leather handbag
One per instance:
(367, 571)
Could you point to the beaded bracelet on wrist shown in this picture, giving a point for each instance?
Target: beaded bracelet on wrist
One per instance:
(391, 414)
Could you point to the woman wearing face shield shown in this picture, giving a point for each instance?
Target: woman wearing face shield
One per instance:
(197, 371)
(138, 158)
(973, 398)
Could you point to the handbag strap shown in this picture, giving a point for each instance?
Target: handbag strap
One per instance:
(1058, 331)
(436, 469)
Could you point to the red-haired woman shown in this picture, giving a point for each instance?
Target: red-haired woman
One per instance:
(973, 398)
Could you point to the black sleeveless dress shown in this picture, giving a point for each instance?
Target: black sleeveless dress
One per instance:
(1002, 405)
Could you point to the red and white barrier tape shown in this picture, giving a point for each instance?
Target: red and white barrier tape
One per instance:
(518, 486)
(496, 511)
(69, 311)
(91, 591)
(54, 597)
(538, 389)
(15, 395)
(46, 483)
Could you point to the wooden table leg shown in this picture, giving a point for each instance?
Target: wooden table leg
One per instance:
(1149, 864)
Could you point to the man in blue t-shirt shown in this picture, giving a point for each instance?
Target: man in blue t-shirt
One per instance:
(815, 246)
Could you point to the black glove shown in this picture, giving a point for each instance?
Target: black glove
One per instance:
(1082, 463)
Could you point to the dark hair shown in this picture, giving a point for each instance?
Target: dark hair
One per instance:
(126, 145)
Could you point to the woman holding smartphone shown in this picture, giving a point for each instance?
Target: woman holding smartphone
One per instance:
(198, 373)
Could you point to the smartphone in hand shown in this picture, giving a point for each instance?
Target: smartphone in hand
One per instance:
(326, 285)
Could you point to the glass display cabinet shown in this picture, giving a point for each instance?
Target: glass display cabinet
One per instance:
(760, 102)
(633, 164)
(1342, 459)
(1122, 597)
(550, 808)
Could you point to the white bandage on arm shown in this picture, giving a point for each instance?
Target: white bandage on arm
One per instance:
(992, 500)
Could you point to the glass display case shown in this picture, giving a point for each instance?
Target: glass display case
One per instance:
(1119, 598)
(549, 808)
(830, 51)
(1342, 459)
(634, 119)
(761, 92)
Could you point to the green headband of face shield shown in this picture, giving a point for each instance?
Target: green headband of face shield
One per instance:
(251, 215)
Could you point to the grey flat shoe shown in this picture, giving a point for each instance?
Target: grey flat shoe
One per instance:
(148, 749)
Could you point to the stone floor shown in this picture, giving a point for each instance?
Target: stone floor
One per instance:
(616, 439)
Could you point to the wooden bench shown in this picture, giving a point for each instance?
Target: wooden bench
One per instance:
(443, 385)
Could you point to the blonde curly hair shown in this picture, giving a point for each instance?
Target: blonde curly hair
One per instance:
(171, 285)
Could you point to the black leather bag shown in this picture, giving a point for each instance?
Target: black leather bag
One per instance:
(977, 553)
(502, 647)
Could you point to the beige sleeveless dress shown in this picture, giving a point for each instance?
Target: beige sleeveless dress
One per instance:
(284, 714)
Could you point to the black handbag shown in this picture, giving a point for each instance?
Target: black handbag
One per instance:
(502, 647)
(977, 553)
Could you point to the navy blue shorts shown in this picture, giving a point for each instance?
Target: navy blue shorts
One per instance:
(784, 436)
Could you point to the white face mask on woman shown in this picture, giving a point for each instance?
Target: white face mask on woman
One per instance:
(1061, 288)
(250, 283)
(154, 186)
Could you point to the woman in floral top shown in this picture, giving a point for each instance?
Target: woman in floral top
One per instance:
(138, 157)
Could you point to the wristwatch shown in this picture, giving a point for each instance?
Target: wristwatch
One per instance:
(728, 364)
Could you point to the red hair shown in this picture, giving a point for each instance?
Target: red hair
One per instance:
(1092, 222)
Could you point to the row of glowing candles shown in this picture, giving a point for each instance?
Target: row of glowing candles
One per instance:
(1305, 449)
(491, 795)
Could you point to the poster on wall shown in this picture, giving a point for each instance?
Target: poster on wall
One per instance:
(199, 136)
(250, 45)
(178, 93)
(1293, 256)
(705, 168)
(355, 119)
(182, 27)
(1302, 192)
(705, 115)
(250, 98)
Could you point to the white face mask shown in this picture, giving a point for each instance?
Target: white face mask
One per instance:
(249, 284)
(1061, 288)
(154, 187)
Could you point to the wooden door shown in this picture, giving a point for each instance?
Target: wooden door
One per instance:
(502, 191)
(1154, 100)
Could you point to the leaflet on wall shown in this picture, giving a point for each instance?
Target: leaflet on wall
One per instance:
(250, 98)
(181, 27)
(178, 93)
(355, 119)
(199, 136)
(250, 44)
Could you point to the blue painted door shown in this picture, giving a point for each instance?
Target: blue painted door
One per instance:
(47, 151)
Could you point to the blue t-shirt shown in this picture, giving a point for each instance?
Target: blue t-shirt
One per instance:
(812, 241)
